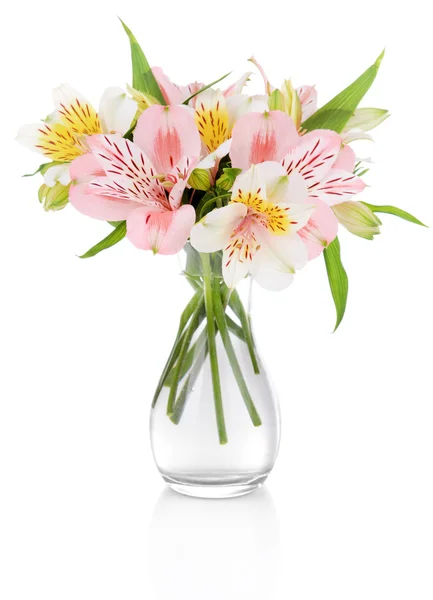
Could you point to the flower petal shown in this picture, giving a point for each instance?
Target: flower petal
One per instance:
(75, 112)
(237, 87)
(346, 159)
(130, 174)
(212, 118)
(308, 97)
(85, 167)
(355, 135)
(164, 232)
(53, 140)
(116, 111)
(268, 87)
(57, 174)
(241, 104)
(314, 155)
(274, 264)
(213, 232)
(99, 207)
(173, 94)
(166, 134)
(337, 187)
(236, 263)
(262, 137)
(212, 159)
(320, 231)
(29, 136)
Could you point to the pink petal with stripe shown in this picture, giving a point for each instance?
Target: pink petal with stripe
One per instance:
(320, 230)
(129, 173)
(166, 134)
(338, 186)
(164, 232)
(99, 207)
(308, 98)
(314, 155)
(261, 137)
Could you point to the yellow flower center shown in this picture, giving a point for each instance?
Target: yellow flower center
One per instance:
(213, 124)
(62, 141)
(275, 218)
(59, 143)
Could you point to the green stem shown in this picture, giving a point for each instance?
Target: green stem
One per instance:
(185, 316)
(236, 305)
(189, 332)
(237, 372)
(219, 409)
(189, 383)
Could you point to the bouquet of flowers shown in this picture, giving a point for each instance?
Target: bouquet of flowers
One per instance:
(249, 186)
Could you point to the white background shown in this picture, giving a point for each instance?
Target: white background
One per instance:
(347, 513)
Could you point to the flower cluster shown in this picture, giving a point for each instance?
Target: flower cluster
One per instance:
(264, 180)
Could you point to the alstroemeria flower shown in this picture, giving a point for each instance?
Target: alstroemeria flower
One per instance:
(62, 136)
(142, 182)
(318, 156)
(257, 230)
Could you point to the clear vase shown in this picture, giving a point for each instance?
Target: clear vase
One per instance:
(215, 422)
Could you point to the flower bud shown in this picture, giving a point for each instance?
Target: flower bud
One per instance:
(357, 218)
(292, 103)
(366, 119)
(54, 198)
(200, 180)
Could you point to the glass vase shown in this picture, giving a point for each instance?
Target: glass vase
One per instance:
(215, 423)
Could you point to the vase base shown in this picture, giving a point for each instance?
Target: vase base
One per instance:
(214, 489)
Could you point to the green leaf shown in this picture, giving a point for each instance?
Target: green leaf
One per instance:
(206, 87)
(113, 238)
(397, 212)
(42, 169)
(337, 112)
(143, 79)
(227, 179)
(338, 281)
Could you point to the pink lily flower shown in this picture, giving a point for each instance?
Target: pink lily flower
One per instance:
(142, 182)
(318, 157)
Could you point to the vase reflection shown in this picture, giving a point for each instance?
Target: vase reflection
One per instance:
(213, 549)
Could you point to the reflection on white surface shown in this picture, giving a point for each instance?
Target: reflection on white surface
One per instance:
(214, 549)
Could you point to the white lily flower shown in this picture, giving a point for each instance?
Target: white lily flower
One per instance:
(257, 230)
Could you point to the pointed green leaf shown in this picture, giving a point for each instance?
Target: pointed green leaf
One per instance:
(143, 79)
(397, 212)
(338, 281)
(113, 238)
(206, 87)
(337, 112)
